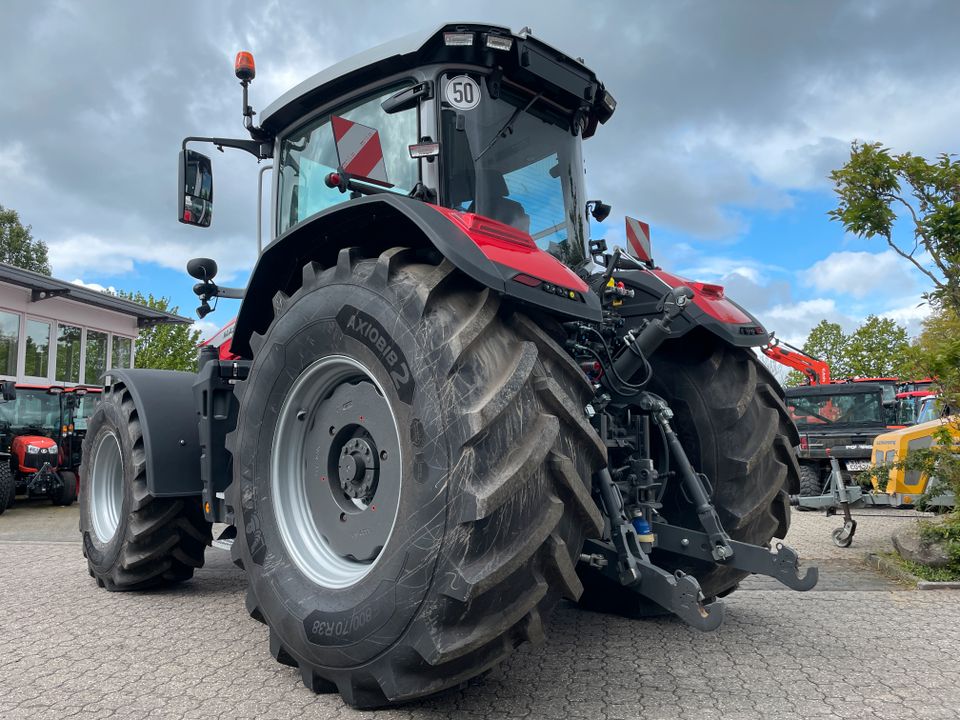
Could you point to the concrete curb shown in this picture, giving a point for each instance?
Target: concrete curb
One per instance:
(893, 571)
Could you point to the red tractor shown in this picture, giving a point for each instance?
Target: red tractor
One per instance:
(444, 406)
(41, 431)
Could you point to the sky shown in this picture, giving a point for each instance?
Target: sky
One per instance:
(730, 117)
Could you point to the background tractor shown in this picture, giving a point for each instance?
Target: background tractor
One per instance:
(444, 406)
(41, 434)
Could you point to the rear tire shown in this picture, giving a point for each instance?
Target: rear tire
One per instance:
(730, 417)
(67, 493)
(489, 487)
(7, 487)
(131, 539)
(810, 483)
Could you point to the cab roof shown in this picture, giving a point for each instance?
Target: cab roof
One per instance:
(529, 58)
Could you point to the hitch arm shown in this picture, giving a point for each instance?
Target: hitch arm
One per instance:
(678, 593)
(784, 565)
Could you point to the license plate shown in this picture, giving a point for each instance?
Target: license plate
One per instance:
(855, 465)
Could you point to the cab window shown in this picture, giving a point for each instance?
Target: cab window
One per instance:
(309, 154)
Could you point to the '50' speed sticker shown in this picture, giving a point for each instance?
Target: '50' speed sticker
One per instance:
(462, 92)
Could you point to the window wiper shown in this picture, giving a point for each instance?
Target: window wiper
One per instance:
(508, 125)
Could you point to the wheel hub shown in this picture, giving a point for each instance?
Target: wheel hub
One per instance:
(358, 469)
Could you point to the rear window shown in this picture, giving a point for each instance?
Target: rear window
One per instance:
(836, 409)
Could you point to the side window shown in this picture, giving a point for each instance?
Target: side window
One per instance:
(308, 155)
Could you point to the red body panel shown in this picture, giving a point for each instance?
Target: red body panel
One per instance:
(708, 298)
(222, 340)
(18, 449)
(515, 249)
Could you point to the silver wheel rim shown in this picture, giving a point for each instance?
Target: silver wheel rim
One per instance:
(106, 486)
(336, 471)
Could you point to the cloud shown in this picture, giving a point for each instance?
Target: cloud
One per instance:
(860, 274)
(94, 286)
(793, 321)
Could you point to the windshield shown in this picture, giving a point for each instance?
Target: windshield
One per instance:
(87, 405)
(35, 410)
(836, 409)
(513, 159)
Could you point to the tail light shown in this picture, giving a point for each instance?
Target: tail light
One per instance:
(804, 443)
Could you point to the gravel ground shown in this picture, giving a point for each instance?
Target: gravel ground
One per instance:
(858, 646)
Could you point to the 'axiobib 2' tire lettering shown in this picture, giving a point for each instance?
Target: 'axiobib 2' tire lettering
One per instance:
(359, 325)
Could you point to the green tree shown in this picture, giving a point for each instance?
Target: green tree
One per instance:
(878, 348)
(875, 185)
(874, 189)
(826, 342)
(167, 346)
(18, 247)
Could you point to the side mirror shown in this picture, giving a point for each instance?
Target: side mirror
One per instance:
(195, 189)
(203, 269)
(8, 390)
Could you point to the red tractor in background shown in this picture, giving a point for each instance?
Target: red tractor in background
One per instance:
(41, 432)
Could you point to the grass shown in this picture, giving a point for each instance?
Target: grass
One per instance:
(950, 573)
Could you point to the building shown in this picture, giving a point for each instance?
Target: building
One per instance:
(55, 332)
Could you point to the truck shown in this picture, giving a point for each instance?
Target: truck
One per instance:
(839, 420)
(446, 404)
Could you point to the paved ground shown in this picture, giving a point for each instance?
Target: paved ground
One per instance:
(858, 646)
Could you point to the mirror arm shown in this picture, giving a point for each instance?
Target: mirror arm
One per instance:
(260, 150)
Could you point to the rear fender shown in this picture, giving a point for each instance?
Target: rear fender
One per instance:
(378, 222)
(168, 418)
(710, 309)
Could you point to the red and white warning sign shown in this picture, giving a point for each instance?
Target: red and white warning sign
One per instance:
(638, 238)
(359, 151)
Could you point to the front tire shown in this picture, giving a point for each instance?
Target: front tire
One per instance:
(479, 462)
(8, 486)
(131, 539)
(66, 495)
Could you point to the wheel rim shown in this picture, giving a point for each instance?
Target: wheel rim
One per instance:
(336, 471)
(106, 486)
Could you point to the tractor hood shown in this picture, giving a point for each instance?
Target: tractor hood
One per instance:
(566, 81)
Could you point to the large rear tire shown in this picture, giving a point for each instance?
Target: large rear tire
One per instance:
(394, 397)
(131, 539)
(730, 417)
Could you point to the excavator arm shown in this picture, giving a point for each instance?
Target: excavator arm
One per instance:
(816, 370)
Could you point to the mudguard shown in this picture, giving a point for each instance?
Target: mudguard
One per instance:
(494, 255)
(168, 418)
(710, 308)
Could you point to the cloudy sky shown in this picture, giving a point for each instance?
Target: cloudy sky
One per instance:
(730, 116)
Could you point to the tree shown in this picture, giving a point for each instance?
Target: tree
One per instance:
(167, 346)
(872, 188)
(17, 246)
(878, 348)
(828, 342)
(874, 185)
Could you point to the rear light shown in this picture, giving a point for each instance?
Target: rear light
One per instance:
(499, 42)
(477, 224)
(714, 292)
(527, 280)
(804, 443)
(458, 39)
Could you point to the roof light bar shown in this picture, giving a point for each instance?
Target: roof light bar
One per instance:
(498, 42)
(458, 39)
